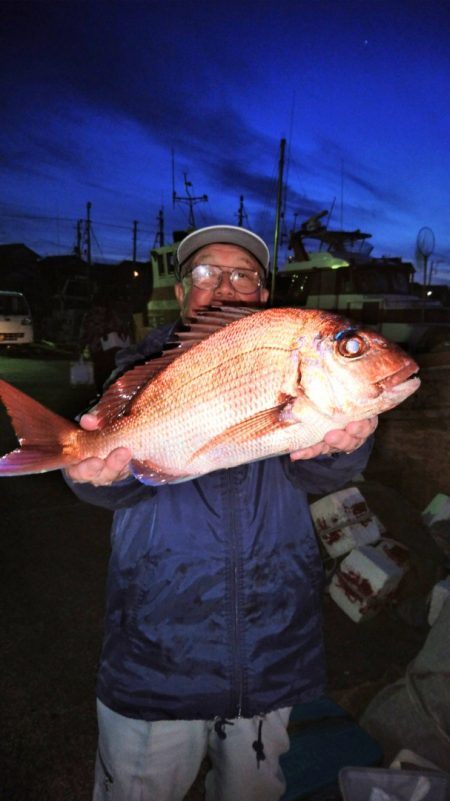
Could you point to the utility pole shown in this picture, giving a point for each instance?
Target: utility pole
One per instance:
(88, 247)
(88, 233)
(77, 248)
(135, 224)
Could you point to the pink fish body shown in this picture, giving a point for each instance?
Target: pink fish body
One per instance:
(242, 386)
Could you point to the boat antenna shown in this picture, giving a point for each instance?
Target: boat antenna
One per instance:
(283, 236)
(330, 213)
(189, 199)
(278, 216)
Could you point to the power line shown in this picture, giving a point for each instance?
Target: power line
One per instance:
(37, 217)
(73, 220)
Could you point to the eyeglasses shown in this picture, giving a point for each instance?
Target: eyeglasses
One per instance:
(210, 276)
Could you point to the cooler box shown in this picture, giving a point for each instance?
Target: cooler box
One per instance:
(323, 739)
(365, 784)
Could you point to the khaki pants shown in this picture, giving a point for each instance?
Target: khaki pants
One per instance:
(139, 760)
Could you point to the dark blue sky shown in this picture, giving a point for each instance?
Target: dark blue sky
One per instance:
(96, 96)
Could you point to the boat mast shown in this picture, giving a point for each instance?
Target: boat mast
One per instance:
(159, 236)
(241, 212)
(278, 217)
(189, 199)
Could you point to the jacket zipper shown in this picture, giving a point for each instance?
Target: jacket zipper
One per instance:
(235, 600)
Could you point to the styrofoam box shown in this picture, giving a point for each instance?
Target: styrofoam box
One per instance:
(396, 551)
(344, 521)
(364, 579)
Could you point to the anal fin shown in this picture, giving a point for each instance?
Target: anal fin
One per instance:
(148, 473)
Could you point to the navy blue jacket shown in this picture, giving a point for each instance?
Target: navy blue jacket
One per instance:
(215, 585)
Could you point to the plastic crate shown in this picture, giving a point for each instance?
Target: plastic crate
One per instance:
(361, 784)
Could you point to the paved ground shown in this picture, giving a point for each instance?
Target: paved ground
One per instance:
(54, 554)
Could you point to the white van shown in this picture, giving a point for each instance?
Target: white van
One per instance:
(16, 326)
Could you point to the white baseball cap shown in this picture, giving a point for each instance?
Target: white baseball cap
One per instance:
(224, 234)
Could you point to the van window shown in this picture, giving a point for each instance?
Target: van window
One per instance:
(16, 326)
(13, 304)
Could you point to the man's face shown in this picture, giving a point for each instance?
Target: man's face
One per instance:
(228, 258)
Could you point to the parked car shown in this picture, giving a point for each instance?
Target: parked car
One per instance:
(16, 325)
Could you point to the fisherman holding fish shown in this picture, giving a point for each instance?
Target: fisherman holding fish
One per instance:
(213, 626)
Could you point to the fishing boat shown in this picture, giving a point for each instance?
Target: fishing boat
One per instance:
(335, 270)
(160, 306)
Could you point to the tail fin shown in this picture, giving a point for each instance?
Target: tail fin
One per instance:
(42, 435)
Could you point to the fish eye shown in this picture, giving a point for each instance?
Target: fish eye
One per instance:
(350, 344)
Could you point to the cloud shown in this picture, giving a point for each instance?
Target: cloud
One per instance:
(95, 96)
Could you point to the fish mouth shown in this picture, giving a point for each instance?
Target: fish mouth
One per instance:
(406, 375)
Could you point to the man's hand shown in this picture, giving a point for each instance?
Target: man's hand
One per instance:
(346, 439)
(100, 472)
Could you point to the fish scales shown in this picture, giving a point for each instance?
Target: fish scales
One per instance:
(181, 409)
(184, 400)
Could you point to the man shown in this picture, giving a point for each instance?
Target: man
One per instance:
(104, 332)
(213, 624)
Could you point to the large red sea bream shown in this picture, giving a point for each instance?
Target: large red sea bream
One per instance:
(241, 386)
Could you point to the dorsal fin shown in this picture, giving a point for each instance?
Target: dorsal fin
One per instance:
(118, 398)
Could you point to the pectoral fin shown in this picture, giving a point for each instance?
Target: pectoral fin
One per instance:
(253, 428)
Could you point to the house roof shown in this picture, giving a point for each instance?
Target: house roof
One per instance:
(17, 253)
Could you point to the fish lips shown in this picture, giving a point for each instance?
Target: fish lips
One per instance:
(403, 380)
